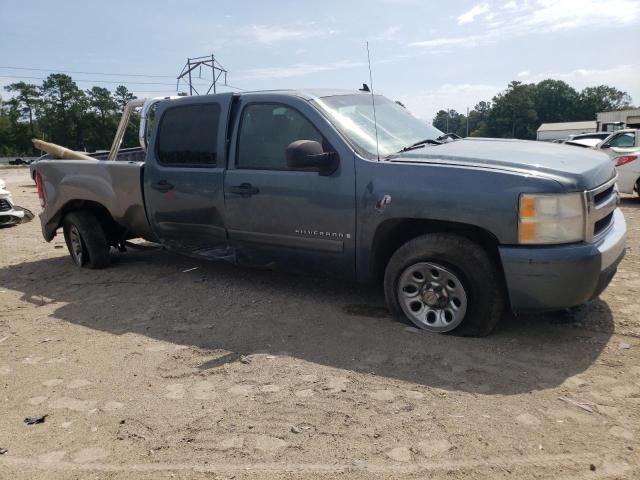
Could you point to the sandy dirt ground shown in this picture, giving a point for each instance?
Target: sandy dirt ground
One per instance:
(167, 367)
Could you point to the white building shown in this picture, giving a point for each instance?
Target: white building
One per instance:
(610, 121)
(558, 131)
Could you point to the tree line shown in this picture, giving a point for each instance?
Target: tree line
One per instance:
(59, 111)
(86, 120)
(518, 111)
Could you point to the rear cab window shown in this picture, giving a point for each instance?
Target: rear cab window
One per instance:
(188, 136)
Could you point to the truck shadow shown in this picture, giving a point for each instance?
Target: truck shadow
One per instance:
(228, 311)
(630, 202)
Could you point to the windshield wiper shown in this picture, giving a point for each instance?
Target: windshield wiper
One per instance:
(421, 144)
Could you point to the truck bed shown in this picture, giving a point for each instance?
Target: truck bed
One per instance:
(68, 183)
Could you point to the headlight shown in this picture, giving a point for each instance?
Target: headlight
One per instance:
(551, 218)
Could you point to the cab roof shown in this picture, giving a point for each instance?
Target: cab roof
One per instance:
(308, 93)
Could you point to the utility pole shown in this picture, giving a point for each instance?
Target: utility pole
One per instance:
(467, 121)
(210, 63)
(448, 114)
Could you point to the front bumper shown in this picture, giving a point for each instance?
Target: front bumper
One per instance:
(9, 214)
(557, 277)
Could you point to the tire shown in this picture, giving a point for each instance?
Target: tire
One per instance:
(86, 240)
(461, 290)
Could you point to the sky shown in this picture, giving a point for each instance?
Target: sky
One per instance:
(429, 54)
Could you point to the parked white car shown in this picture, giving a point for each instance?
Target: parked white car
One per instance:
(623, 147)
(9, 215)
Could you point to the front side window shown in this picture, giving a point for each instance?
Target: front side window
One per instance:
(624, 140)
(266, 130)
(396, 128)
(188, 136)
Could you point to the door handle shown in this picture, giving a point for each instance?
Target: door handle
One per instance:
(162, 186)
(244, 189)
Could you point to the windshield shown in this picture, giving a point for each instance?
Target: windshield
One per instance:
(397, 128)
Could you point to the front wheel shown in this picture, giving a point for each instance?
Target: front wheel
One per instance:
(445, 283)
(86, 240)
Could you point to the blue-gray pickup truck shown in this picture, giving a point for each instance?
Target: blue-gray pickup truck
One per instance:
(457, 230)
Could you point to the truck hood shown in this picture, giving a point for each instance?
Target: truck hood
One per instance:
(575, 168)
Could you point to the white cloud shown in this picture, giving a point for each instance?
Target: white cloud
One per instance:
(553, 15)
(470, 15)
(389, 33)
(524, 73)
(276, 33)
(541, 17)
(469, 41)
(456, 96)
(624, 77)
(296, 70)
(510, 5)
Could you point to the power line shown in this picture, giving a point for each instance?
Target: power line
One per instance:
(236, 88)
(87, 80)
(87, 73)
(90, 80)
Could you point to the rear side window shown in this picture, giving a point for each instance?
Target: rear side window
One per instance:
(188, 136)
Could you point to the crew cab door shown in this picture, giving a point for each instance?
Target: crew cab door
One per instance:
(183, 175)
(279, 217)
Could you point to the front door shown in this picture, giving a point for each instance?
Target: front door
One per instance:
(183, 175)
(280, 217)
(622, 143)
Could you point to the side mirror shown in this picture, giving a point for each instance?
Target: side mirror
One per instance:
(309, 154)
(605, 145)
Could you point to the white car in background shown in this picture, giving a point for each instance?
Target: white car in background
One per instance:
(623, 147)
(9, 215)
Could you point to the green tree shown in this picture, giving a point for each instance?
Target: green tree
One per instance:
(7, 141)
(450, 121)
(122, 96)
(26, 100)
(63, 111)
(478, 119)
(602, 98)
(555, 101)
(513, 114)
(101, 119)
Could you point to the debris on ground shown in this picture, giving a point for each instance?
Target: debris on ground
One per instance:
(3, 451)
(583, 404)
(36, 419)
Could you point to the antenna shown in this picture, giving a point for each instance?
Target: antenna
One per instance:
(373, 102)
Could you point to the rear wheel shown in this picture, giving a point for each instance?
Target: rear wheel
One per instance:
(86, 240)
(445, 283)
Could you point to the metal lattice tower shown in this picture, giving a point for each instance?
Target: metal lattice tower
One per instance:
(210, 63)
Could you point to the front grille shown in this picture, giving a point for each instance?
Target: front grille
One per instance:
(600, 202)
(602, 224)
(598, 198)
(5, 206)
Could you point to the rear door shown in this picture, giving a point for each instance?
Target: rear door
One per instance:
(183, 175)
(280, 217)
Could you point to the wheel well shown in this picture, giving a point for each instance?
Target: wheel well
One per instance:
(392, 234)
(111, 229)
